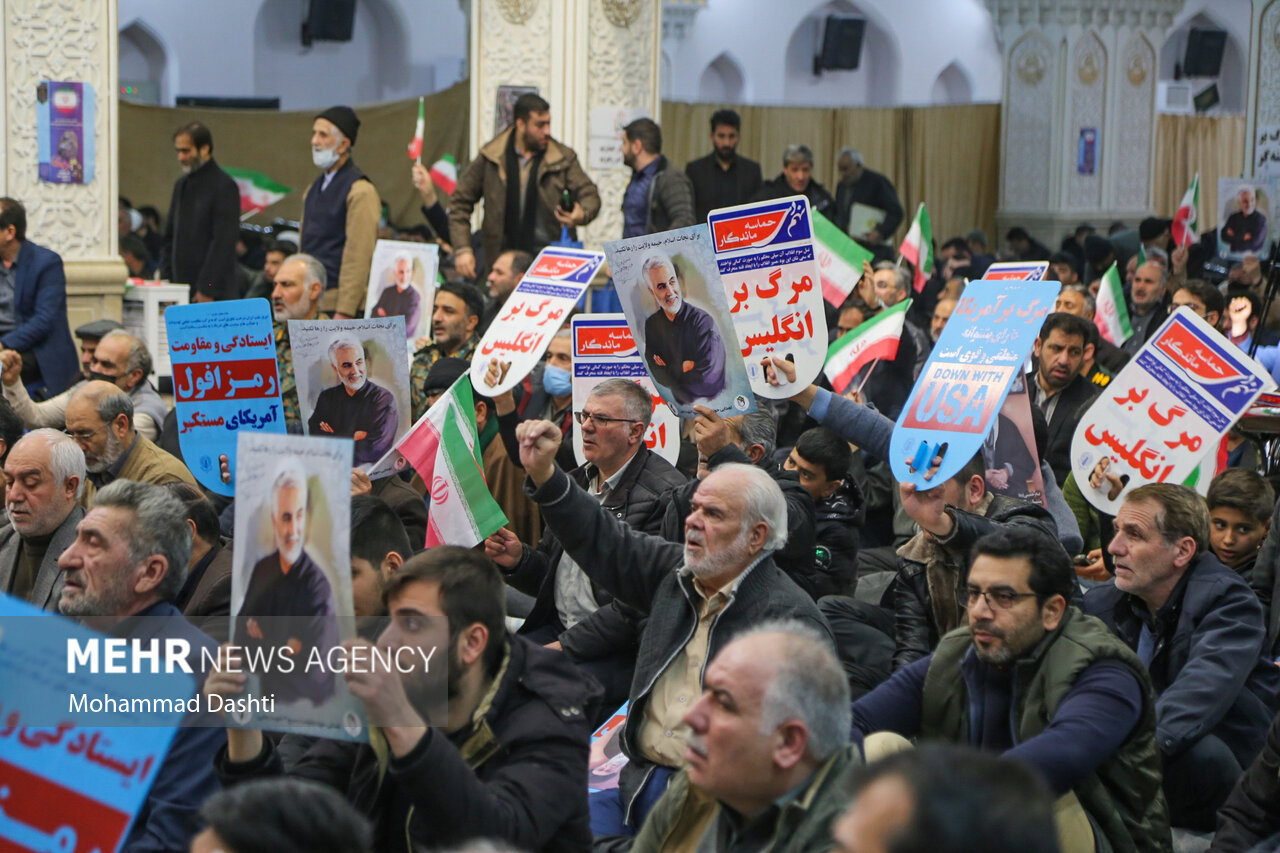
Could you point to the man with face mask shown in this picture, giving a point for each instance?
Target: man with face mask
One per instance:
(204, 220)
(340, 213)
(357, 406)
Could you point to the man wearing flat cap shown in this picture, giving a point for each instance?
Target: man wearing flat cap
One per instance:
(340, 213)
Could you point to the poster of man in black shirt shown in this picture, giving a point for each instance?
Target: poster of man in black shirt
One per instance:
(683, 348)
(1245, 227)
(357, 406)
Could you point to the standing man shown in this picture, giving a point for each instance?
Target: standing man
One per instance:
(657, 198)
(525, 178)
(204, 220)
(33, 307)
(340, 213)
(723, 178)
(357, 406)
(796, 178)
(682, 347)
(859, 185)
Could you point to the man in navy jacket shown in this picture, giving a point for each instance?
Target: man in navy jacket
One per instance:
(33, 307)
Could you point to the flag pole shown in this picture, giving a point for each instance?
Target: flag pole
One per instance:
(858, 390)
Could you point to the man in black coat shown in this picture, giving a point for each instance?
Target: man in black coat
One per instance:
(507, 760)
(796, 178)
(860, 185)
(1057, 386)
(1200, 631)
(724, 177)
(204, 220)
(697, 598)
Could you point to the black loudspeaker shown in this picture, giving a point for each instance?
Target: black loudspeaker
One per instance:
(841, 44)
(1204, 53)
(329, 20)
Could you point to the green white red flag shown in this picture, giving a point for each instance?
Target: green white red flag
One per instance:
(1111, 315)
(917, 247)
(442, 448)
(445, 173)
(839, 259)
(1186, 222)
(876, 338)
(415, 147)
(257, 191)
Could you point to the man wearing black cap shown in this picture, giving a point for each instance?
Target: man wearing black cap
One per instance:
(340, 213)
(51, 412)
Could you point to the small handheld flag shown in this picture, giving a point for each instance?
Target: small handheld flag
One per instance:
(415, 147)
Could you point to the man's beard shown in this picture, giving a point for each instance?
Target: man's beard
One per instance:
(110, 455)
(286, 311)
(710, 565)
(356, 383)
(112, 598)
(1012, 645)
(423, 691)
(726, 155)
(534, 144)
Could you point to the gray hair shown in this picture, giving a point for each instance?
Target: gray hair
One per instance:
(343, 341)
(764, 502)
(112, 406)
(797, 153)
(852, 154)
(138, 357)
(658, 260)
(315, 269)
(808, 685)
(758, 428)
(159, 526)
(1090, 303)
(402, 255)
(66, 459)
(289, 473)
(1158, 264)
(902, 279)
(636, 401)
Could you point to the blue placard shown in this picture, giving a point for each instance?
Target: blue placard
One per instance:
(225, 381)
(72, 778)
(968, 374)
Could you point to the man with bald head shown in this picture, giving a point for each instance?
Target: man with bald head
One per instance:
(1148, 304)
(772, 725)
(44, 474)
(100, 420)
(697, 597)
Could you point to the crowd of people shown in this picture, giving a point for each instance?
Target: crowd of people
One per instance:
(813, 656)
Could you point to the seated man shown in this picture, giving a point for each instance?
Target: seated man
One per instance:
(1249, 819)
(299, 283)
(123, 571)
(379, 547)
(1034, 679)
(281, 816)
(1240, 504)
(696, 597)
(100, 419)
(822, 461)
(768, 749)
(511, 760)
(1057, 386)
(205, 597)
(1200, 632)
(44, 477)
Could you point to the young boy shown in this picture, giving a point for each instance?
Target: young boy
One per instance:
(1240, 504)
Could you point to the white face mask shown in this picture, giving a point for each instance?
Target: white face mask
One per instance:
(324, 158)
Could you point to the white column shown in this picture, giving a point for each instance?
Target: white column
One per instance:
(580, 54)
(1263, 92)
(75, 41)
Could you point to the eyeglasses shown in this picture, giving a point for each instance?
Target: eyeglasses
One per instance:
(601, 420)
(85, 436)
(1001, 599)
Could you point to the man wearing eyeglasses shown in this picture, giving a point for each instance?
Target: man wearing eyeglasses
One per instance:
(632, 483)
(100, 419)
(1033, 678)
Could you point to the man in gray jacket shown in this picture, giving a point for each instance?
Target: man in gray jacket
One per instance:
(658, 198)
(697, 598)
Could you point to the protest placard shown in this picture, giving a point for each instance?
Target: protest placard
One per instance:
(225, 380)
(1017, 271)
(1245, 210)
(538, 306)
(353, 381)
(964, 382)
(670, 290)
(765, 255)
(840, 260)
(402, 283)
(604, 348)
(1167, 409)
(71, 777)
(291, 582)
(1009, 453)
(606, 759)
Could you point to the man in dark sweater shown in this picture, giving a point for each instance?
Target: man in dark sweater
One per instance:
(204, 220)
(357, 406)
(723, 178)
(682, 347)
(860, 185)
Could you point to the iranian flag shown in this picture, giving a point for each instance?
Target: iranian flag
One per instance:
(917, 247)
(441, 447)
(1186, 222)
(1111, 316)
(840, 259)
(875, 339)
(415, 147)
(257, 191)
(445, 173)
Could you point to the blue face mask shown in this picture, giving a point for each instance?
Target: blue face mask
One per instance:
(556, 381)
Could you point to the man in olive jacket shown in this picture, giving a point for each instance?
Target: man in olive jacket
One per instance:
(521, 175)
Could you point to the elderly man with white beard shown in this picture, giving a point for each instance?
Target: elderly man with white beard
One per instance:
(698, 596)
(357, 406)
